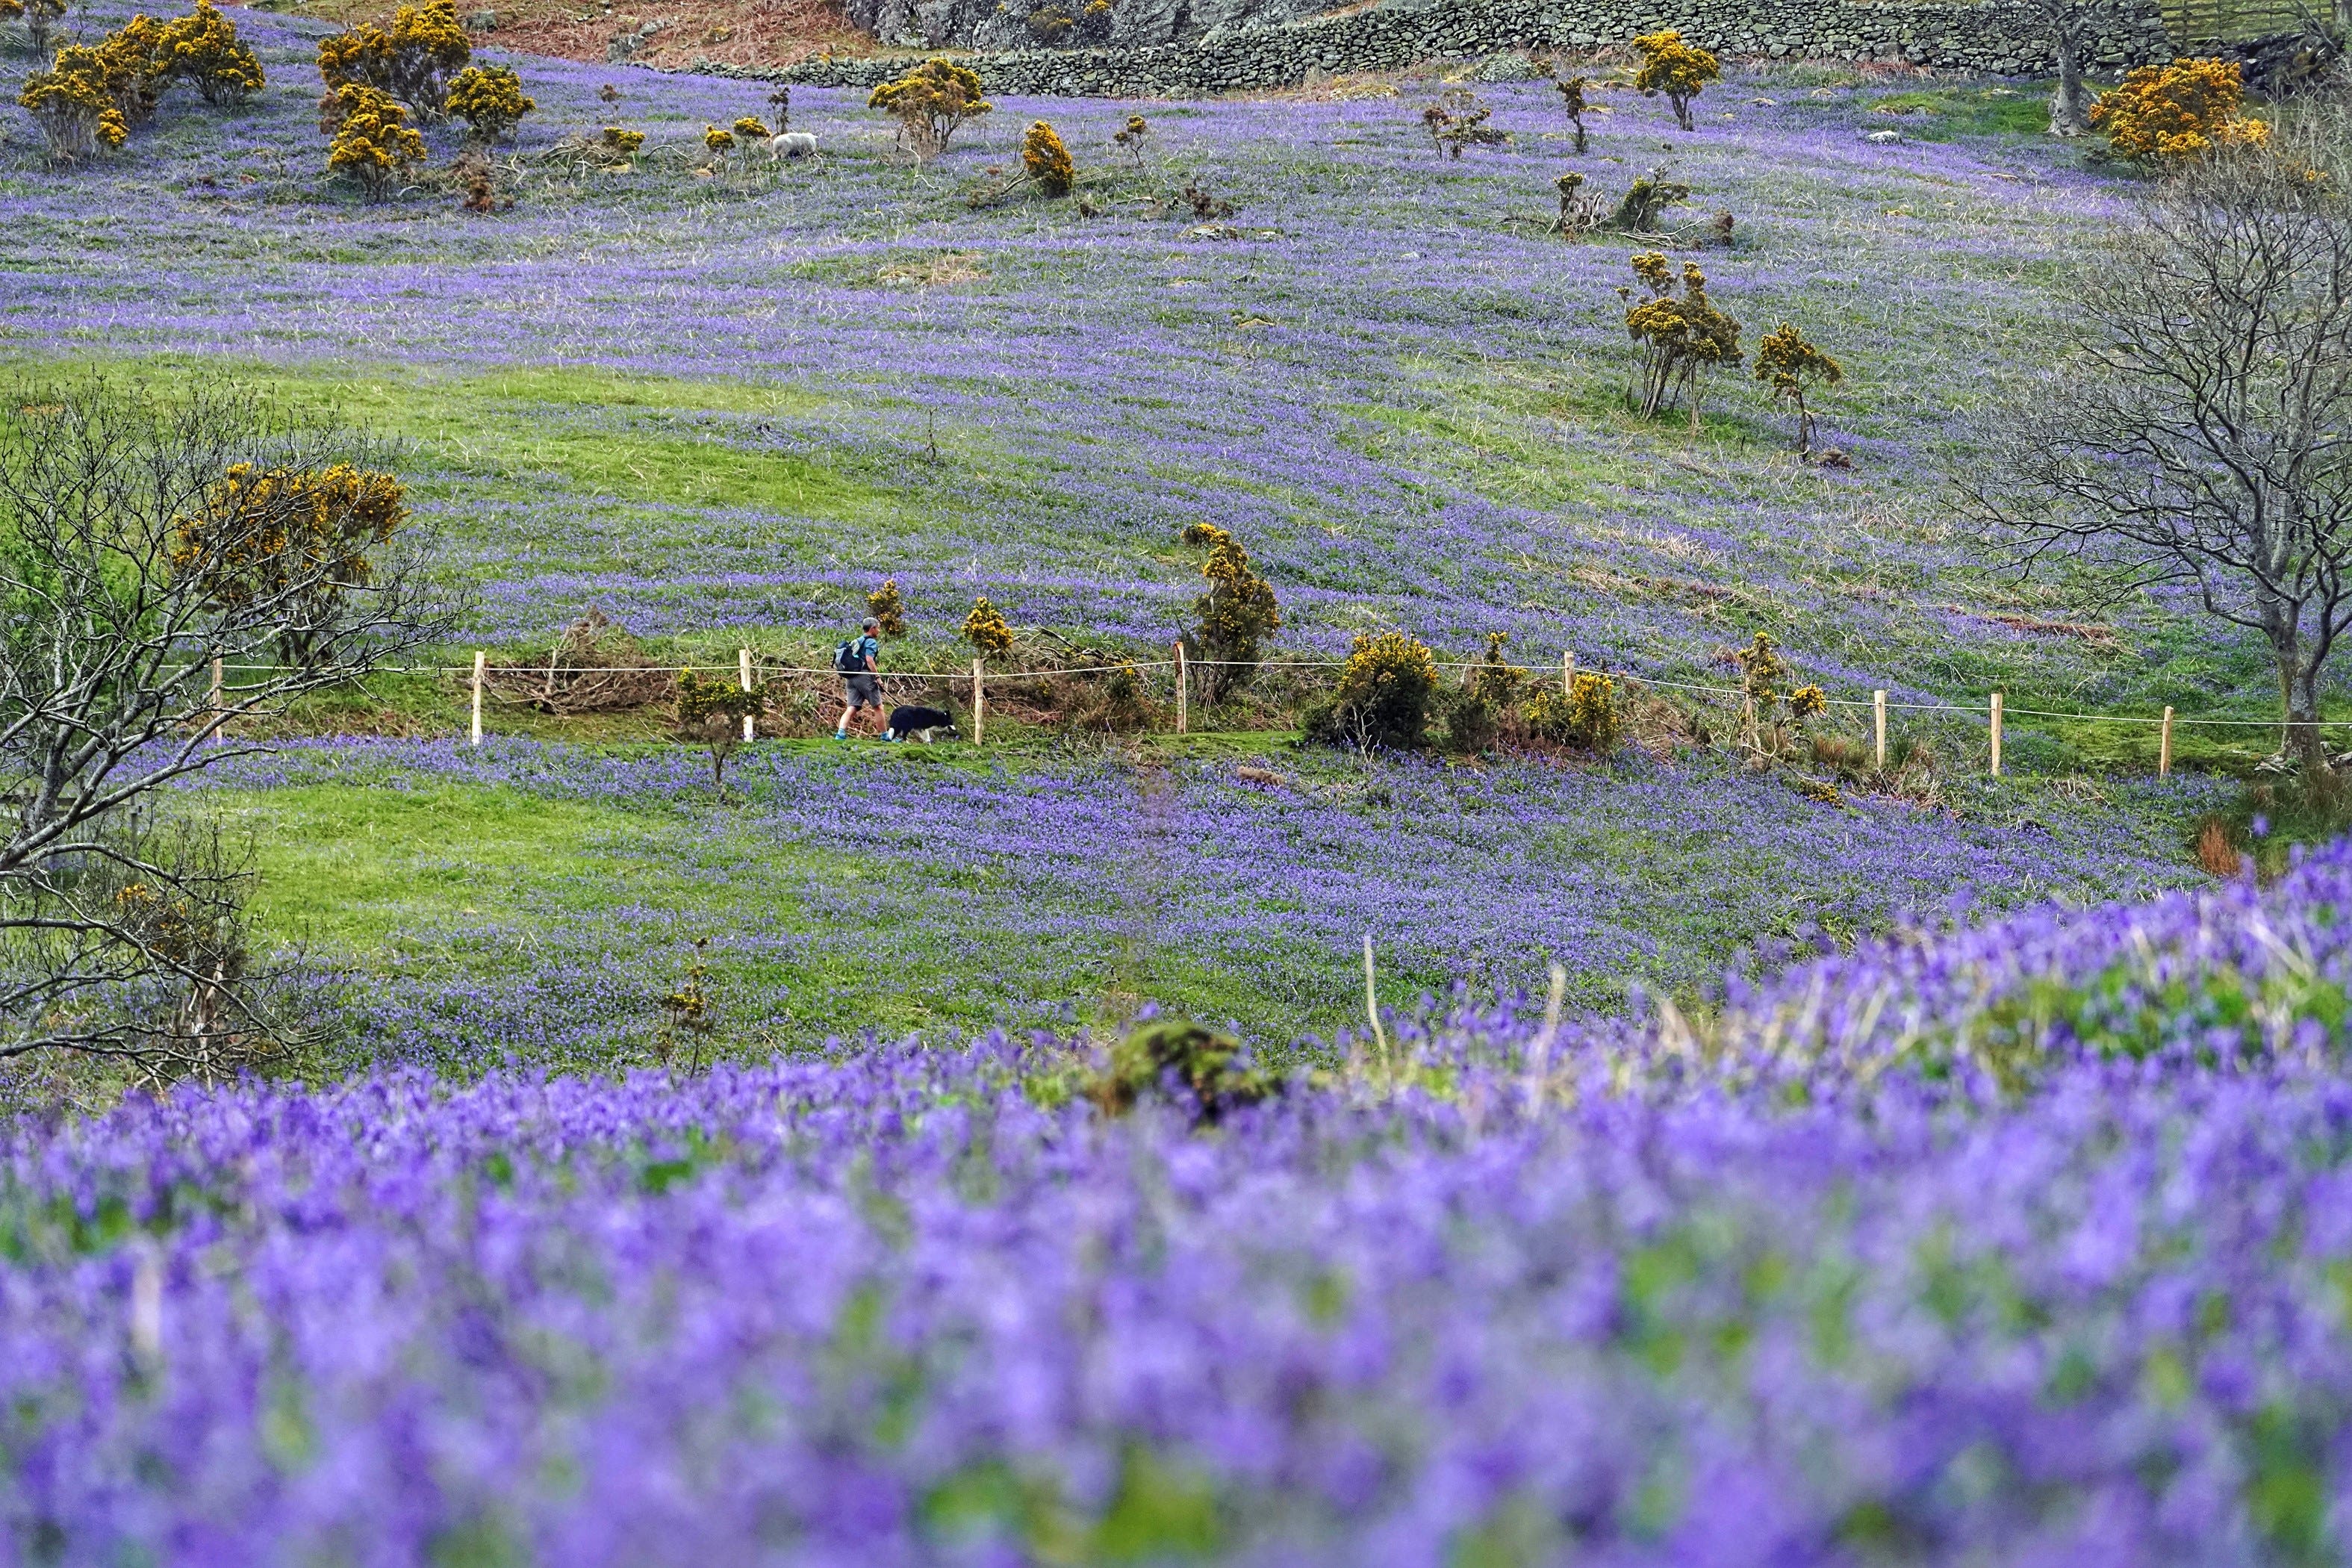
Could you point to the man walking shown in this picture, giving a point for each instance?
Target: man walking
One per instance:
(858, 661)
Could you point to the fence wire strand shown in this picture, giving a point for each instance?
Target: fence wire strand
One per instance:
(992, 677)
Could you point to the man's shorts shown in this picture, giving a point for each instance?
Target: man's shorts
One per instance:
(864, 691)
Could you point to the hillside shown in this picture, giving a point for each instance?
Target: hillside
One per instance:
(720, 408)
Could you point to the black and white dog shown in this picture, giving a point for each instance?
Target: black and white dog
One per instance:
(911, 723)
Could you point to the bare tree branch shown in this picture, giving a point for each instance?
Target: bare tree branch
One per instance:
(144, 536)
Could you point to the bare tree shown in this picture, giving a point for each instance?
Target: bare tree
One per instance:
(2199, 430)
(2076, 27)
(142, 537)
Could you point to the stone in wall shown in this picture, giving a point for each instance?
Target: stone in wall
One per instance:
(1242, 45)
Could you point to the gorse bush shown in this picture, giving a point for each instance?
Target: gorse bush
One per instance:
(1586, 714)
(720, 141)
(711, 710)
(1236, 614)
(1208, 1072)
(41, 19)
(1676, 68)
(130, 59)
(72, 105)
(1384, 696)
(1772, 704)
(414, 61)
(930, 102)
(1593, 722)
(267, 533)
(1573, 104)
(887, 608)
(749, 128)
(620, 139)
(490, 99)
(1580, 210)
(689, 1015)
(984, 628)
(370, 139)
(1481, 711)
(1131, 139)
(1458, 120)
(1645, 202)
(202, 49)
(1682, 335)
(1790, 364)
(1116, 704)
(2160, 114)
(1046, 160)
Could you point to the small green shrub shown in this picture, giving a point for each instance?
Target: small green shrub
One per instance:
(1644, 203)
(1207, 1067)
(1139, 131)
(1573, 104)
(1237, 614)
(710, 711)
(1772, 707)
(1482, 712)
(1790, 364)
(689, 1015)
(1458, 120)
(1116, 704)
(1383, 699)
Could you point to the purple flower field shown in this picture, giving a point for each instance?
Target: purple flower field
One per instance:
(834, 892)
(1956, 1184)
(1622, 1295)
(710, 406)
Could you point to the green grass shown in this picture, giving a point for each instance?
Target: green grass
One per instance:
(1949, 113)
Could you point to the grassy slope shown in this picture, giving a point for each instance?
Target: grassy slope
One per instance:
(614, 397)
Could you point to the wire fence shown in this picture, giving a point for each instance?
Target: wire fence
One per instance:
(1991, 710)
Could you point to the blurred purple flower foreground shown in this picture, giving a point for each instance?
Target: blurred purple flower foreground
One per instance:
(2032, 1245)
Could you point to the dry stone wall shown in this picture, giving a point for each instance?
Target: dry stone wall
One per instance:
(1998, 39)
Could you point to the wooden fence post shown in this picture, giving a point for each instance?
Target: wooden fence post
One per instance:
(1996, 734)
(2164, 745)
(1183, 673)
(1567, 673)
(480, 660)
(216, 684)
(743, 670)
(979, 702)
(1878, 729)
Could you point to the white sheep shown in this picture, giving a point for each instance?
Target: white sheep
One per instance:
(793, 144)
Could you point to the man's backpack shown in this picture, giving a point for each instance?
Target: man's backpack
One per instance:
(846, 659)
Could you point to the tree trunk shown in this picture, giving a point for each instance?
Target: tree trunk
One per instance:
(2070, 110)
(2299, 702)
